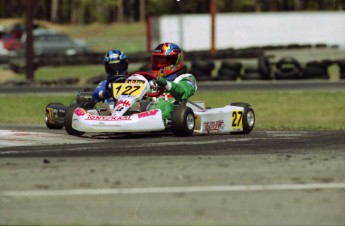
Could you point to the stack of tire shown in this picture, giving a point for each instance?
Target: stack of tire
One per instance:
(229, 70)
(316, 70)
(202, 70)
(261, 72)
(288, 68)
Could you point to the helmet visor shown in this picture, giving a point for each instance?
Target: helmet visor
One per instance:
(117, 68)
(159, 62)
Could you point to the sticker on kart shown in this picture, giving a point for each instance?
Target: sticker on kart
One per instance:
(237, 117)
(130, 88)
(108, 118)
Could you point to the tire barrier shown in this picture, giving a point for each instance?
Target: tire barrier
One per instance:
(202, 70)
(316, 70)
(251, 74)
(229, 70)
(261, 72)
(287, 68)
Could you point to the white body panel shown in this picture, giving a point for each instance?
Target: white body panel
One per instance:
(142, 122)
(218, 120)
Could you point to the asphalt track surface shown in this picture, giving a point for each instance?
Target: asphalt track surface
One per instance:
(264, 178)
(272, 177)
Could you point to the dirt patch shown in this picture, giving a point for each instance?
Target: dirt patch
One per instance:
(6, 75)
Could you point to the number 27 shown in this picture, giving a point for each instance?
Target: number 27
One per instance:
(237, 118)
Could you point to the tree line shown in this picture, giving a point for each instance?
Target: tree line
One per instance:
(108, 11)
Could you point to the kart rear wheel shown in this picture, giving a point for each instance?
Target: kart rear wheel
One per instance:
(182, 121)
(48, 124)
(68, 121)
(248, 117)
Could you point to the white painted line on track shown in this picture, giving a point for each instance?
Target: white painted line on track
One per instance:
(156, 190)
(11, 138)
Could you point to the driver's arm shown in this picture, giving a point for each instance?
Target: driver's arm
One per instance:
(180, 89)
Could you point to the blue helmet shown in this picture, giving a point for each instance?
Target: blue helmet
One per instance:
(115, 63)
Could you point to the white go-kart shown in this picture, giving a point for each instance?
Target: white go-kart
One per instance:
(132, 113)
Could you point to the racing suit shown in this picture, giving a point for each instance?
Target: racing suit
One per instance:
(178, 87)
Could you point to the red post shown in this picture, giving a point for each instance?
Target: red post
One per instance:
(213, 9)
(29, 52)
(148, 34)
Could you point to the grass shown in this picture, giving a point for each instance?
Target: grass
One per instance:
(316, 110)
(309, 110)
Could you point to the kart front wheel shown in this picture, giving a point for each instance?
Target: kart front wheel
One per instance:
(182, 121)
(248, 117)
(69, 120)
(50, 116)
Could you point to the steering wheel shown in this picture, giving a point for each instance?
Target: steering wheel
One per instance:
(150, 77)
(117, 78)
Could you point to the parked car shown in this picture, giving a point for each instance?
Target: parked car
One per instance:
(10, 39)
(48, 42)
(49, 46)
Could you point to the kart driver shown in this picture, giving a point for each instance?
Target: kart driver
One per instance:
(167, 65)
(116, 66)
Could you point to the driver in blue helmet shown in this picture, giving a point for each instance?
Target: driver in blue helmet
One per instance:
(116, 66)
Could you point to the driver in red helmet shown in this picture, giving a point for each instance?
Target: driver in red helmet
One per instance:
(167, 65)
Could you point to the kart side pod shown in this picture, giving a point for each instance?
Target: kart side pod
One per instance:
(234, 118)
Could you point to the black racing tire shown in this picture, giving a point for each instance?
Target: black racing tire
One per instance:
(248, 119)
(48, 124)
(201, 75)
(203, 65)
(227, 74)
(315, 70)
(287, 74)
(264, 68)
(182, 121)
(341, 65)
(287, 68)
(288, 61)
(68, 121)
(234, 66)
(251, 74)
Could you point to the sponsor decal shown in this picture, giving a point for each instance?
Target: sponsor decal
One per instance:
(124, 103)
(51, 116)
(79, 112)
(216, 126)
(121, 104)
(108, 118)
(133, 82)
(147, 113)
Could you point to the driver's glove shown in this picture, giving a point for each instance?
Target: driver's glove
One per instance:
(161, 81)
(107, 93)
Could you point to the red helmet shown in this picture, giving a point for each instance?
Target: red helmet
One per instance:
(167, 58)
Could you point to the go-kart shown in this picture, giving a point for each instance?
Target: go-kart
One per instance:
(132, 112)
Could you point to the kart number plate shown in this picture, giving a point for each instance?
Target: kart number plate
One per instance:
(237, 118)
(130, 88)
